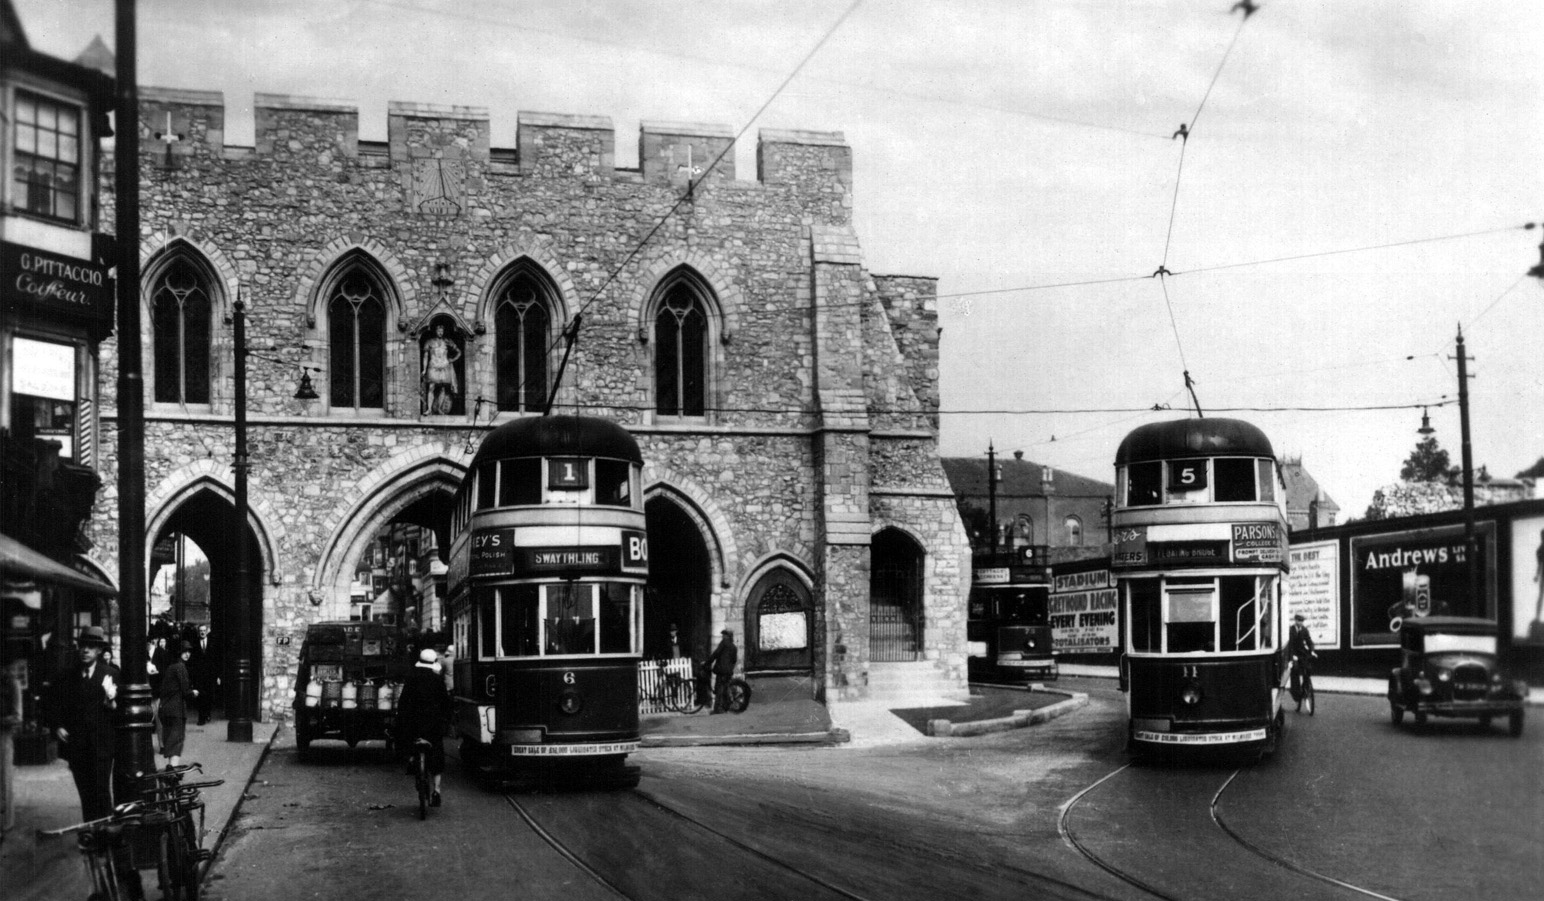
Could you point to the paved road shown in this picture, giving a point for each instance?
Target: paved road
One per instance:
(1443, 812)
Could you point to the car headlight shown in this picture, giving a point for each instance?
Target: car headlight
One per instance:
(1423, 685)
(1444, 676)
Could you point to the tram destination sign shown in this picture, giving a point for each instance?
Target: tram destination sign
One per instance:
(1188, 551)
(494, 553)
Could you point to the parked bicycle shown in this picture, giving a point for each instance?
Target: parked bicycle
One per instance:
(738, 691)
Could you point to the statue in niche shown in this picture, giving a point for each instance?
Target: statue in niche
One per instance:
(438, 378)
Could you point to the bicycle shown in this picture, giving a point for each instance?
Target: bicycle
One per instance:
(675, 692)
(179, 801)
(421, 778)
(738, 691)
(116, 847)
(1302, 683)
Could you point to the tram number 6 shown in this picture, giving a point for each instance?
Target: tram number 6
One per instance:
(568, 678)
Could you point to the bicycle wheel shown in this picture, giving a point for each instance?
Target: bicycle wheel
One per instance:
(739, 695)
(1308, 694)
(421, 776)
(684, 696)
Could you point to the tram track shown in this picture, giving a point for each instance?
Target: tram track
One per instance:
(1070, 837)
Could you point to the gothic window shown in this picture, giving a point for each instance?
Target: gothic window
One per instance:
(356, 331)
(522, 324)
(180, 323)
(680, 353)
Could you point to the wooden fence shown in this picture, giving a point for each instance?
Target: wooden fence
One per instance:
(651, 675)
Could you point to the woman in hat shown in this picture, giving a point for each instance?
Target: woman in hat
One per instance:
(423, 711)
(175, 689)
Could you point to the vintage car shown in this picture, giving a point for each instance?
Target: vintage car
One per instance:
(1448, 667)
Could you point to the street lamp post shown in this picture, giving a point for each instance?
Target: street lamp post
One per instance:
(239, 725)
(1471, 545)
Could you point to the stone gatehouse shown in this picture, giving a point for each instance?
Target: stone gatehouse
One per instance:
(784, 397)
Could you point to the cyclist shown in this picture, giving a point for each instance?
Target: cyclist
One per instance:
(1300, 650)
(423, 711)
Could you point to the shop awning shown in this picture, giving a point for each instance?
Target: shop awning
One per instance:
(19, 561)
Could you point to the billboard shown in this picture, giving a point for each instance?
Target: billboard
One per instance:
(1528, 580)
(1420, 572)
(1084, 613)
(1312, 588)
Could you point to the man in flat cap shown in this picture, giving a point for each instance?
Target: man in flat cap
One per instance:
(722, 662)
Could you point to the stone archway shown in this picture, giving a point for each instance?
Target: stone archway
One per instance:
(680, 587)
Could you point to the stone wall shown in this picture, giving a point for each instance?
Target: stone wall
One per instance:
(824, 379)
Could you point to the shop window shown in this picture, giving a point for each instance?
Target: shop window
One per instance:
(46, 161)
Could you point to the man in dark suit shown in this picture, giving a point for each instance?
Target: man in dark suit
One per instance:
(81, 709)
(204, 667)
(722, 661)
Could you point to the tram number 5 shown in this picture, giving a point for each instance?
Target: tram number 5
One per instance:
(1187, 475)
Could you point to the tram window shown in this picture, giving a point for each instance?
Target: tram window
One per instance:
(521, 482)
(1146, 614)
(1267, 480)
(1240, 614)
(487, 625)
(1234, 479)
(487, 482)
(517, 621)
(616, 618)
(571, 618)
(1144, 484)
(1267, 591)
(613, 483)
(1191, 623)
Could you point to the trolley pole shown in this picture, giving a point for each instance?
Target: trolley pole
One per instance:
(1471, 544)
(135, 754)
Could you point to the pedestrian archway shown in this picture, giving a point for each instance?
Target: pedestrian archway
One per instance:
(680, 584)
(895, 598)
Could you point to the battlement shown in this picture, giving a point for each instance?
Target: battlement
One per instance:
(177, 123)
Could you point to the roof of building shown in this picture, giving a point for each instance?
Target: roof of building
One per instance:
(1302, 488)
(1018, 478)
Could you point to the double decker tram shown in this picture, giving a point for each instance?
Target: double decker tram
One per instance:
(1200, 552)
(549, 557)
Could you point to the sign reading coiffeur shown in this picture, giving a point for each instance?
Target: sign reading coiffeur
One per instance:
(38, 282)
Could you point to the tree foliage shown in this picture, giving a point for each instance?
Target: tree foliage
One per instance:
(1428, 462)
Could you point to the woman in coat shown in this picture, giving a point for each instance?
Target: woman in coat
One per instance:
(173, 693)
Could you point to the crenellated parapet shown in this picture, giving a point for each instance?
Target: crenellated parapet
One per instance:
(441, 146)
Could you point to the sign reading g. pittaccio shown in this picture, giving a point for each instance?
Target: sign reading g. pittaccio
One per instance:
(40, 283)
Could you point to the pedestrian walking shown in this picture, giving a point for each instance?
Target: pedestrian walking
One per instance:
(172, 696)
(204, 667)
(80, 711)
(10, 722)
(722, 663)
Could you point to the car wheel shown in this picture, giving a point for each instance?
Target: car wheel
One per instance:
(1515, 723)
(1396, 713)
(1419, 716)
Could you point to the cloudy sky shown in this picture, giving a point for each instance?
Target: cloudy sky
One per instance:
(1353, 190)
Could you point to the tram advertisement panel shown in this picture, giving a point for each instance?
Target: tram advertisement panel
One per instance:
(1083, 613)
(1312, 588)
(1422, 572)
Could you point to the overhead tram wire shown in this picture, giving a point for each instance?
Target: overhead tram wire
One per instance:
(1183, 133)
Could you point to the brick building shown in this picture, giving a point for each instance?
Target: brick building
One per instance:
(784, 397)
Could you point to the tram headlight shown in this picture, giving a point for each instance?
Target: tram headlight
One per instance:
(1444, 676)
(570, 701)
(1190, 694)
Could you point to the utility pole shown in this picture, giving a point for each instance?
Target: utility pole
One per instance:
(135, 752)
(238, 727)
(1479, 603)
(991, 497)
